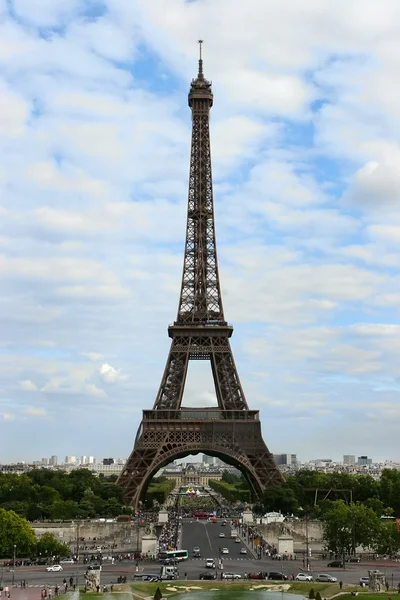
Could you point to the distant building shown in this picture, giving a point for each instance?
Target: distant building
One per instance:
(191, 475)
(363, 461)
(45, 461)
(91, 460)
(285, 459)
(349, 459)
(106, 470)
(83, 460)
(108, 461)
(208, 460)
(53, 461)
(70, 460)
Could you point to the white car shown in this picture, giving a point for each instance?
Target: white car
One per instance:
(243, 551)
(210, 563)
(221, 535)
(326, 578)
(231, 576)
(54, 568)
(67, 561)
(237, 541)
(303, 577)
(224, 551)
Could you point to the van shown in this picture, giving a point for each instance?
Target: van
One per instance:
(169, 572)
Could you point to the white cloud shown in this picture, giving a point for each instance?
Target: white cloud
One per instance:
(111, 375)
(95, 356)
(28, 386)
(7, 416)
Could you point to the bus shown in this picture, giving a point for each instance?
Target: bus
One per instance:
(173, 555)
(198, 514)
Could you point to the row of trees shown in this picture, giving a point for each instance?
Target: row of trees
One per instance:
(233, 492)
(347, 527)
(56, 495)
(158, 491)
(15, 531)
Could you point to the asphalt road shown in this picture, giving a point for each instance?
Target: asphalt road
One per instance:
(206, 536)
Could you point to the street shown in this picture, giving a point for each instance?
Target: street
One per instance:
(205, 535)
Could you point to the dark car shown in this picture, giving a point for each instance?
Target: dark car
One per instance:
(257, 575)
(277, 576)
(335, 563)
(208, 575)
(353, 559)
(146, 577)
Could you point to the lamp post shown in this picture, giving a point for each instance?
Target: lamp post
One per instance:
(13, 577)
(77, 555)
(307, 565)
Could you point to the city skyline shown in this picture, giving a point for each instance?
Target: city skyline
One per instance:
(94, 143)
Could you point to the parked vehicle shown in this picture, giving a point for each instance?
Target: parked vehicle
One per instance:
(275, 575)
(208, 575)
(259, 575)
(231, 576)
(67, 561)
(326, 578)
(364, 581)
(304, 577)
(169, 573)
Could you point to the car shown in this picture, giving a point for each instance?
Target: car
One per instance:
(210, 563)
(335, 563)
(326, 578)
(237, 541)
(353, 559)
(243, 551)
(221, 535)
(303, 577)
(208, 575)
(54, 568)
(277, 576)
(224, 551)
(146, 577)
(259, 575)
(196, 551)
(94, 568)
(231, 576)
(364, 581)
(67, 561)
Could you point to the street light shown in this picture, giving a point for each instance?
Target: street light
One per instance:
(13, 577)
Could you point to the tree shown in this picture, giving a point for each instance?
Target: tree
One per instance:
(347, 527)
(15, 531)
(49, 545)
(280, 498)
(388, 539)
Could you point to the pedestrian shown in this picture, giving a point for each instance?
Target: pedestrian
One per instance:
(387, 586)
(185, 576)
(340, 584)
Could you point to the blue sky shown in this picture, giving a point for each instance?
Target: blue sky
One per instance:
(94, 144)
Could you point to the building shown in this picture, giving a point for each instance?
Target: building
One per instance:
(106, 470)
(285, 459)
(53, 461)
(91, 460)
(191, 475)
(45, 461)
(362, 461)
(208, 460)
(70, 460)
(83, 460)
(349, 459)
(108, 461)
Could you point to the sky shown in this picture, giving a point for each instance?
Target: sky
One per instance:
(94, 155)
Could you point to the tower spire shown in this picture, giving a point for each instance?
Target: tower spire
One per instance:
(200, 73)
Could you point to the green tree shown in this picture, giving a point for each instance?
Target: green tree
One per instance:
(49, 545)
(388, 538)
(347, 527)
(14, 530)
(280, 498)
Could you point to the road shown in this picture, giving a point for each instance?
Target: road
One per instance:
(206, 536)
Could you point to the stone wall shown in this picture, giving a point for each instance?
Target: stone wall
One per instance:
(295, 529)
(95, 533)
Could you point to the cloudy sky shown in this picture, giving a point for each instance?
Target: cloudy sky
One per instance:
(94, 143)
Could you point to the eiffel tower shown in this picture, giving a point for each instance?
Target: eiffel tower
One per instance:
(169, 431)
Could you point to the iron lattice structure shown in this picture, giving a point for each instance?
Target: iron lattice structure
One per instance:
(231, 432)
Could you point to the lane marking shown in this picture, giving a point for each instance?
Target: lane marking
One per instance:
(208, 537)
